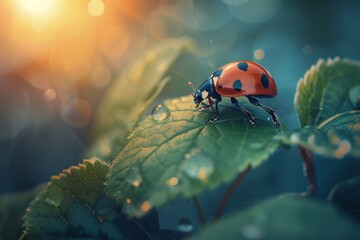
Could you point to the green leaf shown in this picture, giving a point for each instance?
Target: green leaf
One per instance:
(130, 95)
(328, 88)
(284, 218)
(73, 206)
(12, 210)
(175, 152)
(337, 137)
(346, 195)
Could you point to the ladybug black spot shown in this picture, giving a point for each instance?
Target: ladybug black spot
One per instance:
(218, 73)
(264, 80)
(237, 85)
(243, 66)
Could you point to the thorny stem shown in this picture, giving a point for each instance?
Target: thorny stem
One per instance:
(309, 166)
(199, 210)
(229, 192)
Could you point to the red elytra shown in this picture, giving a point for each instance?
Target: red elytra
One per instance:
(249, 75)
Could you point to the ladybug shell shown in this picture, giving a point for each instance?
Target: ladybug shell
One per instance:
(244, 78)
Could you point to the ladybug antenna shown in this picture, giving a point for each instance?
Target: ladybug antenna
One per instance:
(192, 86)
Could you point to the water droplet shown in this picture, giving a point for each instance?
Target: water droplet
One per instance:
(134, 178)
(185, 225)
(171, 182)
(199, 166)
(268, 118)
(160, 113)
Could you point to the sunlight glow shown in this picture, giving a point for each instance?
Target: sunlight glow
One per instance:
(96, 8)
(36, 6)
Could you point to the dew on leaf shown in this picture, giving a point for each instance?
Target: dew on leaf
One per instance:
(185, 225)
(160, 113)
(199, 166)
(134, 177)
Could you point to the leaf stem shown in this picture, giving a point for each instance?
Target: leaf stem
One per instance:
(229, 192)
(309, 168)
(199, 210)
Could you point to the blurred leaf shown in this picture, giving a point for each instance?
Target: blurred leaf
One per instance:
(288, 217)
(175, 152)
(328, 88)
(130, 95)
(73, 206)
(346, 195)
(12, 210)
(337, 137)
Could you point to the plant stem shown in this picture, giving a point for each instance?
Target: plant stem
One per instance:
(199, 210)
(229, 192)
(309, 166)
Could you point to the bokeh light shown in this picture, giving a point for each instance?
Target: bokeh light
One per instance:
(36, 6)
(50, 94)
(259, 54)
(308, 50)
(77, 113)
(100, 77)
(255, 11)
(96, 7)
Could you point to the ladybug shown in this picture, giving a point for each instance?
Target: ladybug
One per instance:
(237, 79)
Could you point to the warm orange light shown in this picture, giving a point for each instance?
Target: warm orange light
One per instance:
(96, 7)
(36, 6)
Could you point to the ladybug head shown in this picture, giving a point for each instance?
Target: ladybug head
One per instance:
(196, 95)
(197, 98)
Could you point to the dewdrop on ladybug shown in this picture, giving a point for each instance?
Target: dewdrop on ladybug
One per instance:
(237, 79)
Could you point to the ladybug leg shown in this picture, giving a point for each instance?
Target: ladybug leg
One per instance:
(216, 117)
(267, 109)
(249, 114)
(207, 106)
